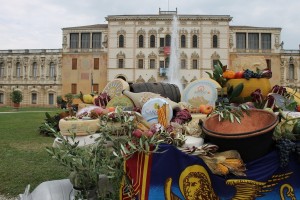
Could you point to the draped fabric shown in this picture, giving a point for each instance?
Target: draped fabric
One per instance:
(173, 175)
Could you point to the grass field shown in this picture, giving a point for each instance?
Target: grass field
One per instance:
(24, 159)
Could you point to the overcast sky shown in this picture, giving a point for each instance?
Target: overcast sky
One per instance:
(37, 24)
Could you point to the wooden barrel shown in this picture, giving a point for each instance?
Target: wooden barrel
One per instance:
(167, 90)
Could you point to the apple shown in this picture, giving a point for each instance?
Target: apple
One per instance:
(239, 74)
(137, 133)
(98, 110)
(206, 109)
(298, 108)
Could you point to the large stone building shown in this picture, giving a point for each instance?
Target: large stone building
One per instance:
(137, 48)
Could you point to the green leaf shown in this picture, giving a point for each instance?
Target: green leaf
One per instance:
(132, 145)
(147, 146)
(210, 75)
(231, 117)
(237, 90)
(238, 120)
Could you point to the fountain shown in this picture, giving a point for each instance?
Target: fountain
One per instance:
(174, 67)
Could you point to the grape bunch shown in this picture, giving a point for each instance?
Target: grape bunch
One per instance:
(251, 74)
(285, 147)
(248, 74)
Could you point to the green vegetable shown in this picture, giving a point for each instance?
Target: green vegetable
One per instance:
(296, 128)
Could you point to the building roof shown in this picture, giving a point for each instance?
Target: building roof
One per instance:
(168, 17)
(94, 26)
(254, 27)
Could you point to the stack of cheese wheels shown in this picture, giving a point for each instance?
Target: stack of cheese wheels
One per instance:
(79, 127)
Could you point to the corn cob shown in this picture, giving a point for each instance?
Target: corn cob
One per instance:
(221, 169)
(162, 117)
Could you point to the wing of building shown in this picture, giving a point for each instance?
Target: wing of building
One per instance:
(137, 48)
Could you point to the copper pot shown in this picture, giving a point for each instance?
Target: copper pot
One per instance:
(252, 137)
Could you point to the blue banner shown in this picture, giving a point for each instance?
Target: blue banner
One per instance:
(173, 175)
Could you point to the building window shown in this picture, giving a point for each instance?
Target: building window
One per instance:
(96, 88)
(51, 98)
(215, 41)
(52, 70)
(141, 41)
(195, 41)
(96, 40)
(161, 42)
(141, 64)
(96, 63)
(85, 40)
(74, 88)
(182, 41)
(74, 40)
(161, 64)
(183, 64)
(266, 40)
(152, 63)
(18, 70)
(195, 64)
(241, 40)
(168, 40)
(167, 62)
(74, 63)
(214, 62)
(1, 70)
(120, 63)
(291, 72)
(121, 41)
(1, 98)
(34, 70)
(33, 98)
(152, 41)
(253, 41)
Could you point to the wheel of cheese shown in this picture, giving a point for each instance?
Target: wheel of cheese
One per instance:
(115, 87)
(80, 127)
(202, 91)
(120, 101)
(149, 110)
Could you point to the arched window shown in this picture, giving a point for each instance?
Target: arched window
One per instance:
(168, 40)
(18, 70)
(34, 70)
(121, 41)
(141, 41)
(152, 41)
(291, 72)
(1, 70)
(195, 41)
(215, 41)
(52, 70)
(182, 39)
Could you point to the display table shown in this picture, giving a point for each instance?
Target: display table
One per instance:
(176, 175)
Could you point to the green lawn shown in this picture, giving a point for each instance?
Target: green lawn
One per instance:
(24, 159)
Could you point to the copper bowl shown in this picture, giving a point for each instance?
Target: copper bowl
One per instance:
(252, 138)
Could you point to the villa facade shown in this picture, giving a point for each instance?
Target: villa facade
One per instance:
(137, 48)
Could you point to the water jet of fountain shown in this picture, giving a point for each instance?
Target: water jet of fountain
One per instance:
(174, 67)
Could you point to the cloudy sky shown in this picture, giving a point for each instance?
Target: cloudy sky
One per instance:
(37, 24)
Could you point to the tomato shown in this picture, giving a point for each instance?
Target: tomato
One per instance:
(239, 74)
